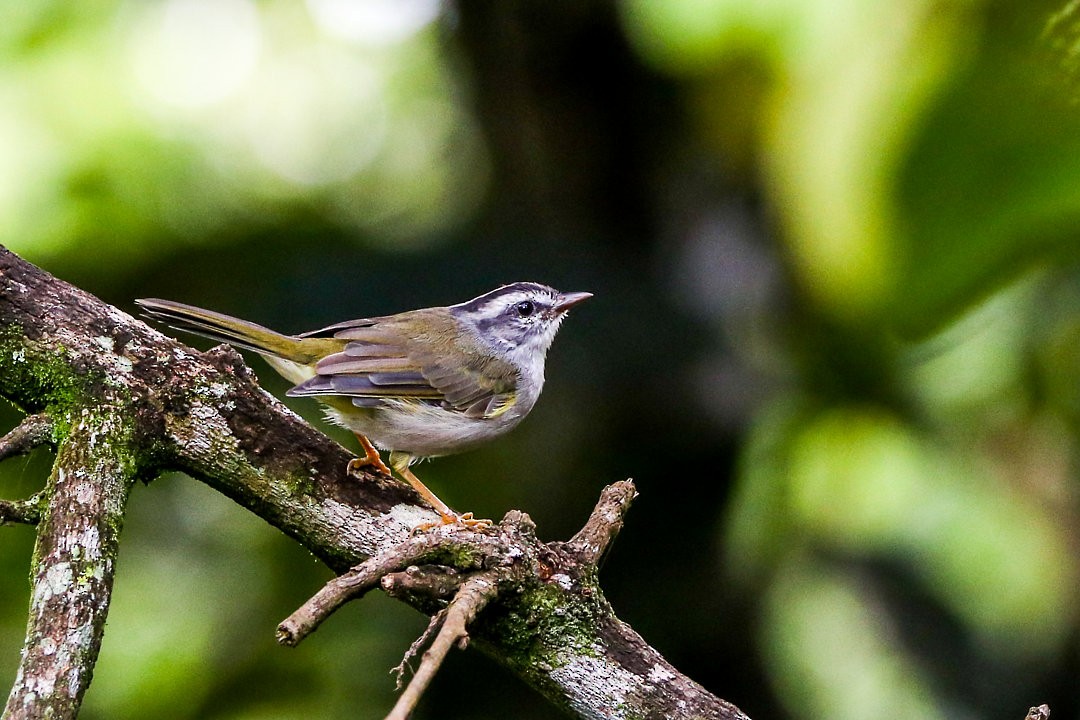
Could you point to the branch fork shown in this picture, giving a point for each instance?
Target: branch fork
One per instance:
(460, 572)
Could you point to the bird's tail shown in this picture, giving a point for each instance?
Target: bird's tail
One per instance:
(234, 331)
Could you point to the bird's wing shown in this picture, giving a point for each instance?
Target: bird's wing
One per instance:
(406, 357)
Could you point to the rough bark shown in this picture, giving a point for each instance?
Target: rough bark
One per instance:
(124, 402)
(74, 556)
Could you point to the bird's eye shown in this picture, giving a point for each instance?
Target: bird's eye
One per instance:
(525, 308)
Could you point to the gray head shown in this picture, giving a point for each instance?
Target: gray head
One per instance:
(520, 319)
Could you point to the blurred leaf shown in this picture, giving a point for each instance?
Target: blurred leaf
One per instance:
(834, 654)
(859, 481)
(991, 187)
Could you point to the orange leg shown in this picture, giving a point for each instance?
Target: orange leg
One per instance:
(400, 462)
(371, 458)
(448, 516)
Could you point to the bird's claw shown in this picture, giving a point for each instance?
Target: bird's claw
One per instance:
(465, 520)
(359, 463)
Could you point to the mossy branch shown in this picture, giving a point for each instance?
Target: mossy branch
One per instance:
(126, 403)
(72, 575)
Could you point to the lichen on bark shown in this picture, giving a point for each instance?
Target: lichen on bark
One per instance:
(73, 566)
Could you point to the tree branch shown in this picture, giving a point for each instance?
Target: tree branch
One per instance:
(26, 511)
(74, 558)
(592, 541)
(129, 403)
(475, 594)
(357, 581)
(34, 430)
(1042, 712)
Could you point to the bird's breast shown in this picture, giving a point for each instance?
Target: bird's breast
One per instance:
(426, 430)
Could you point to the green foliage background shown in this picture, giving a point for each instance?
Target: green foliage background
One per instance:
(835, 339)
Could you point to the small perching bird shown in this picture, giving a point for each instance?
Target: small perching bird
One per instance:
(421, 383)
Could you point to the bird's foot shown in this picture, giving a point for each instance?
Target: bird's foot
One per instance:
(472, 523)
(370, 459)
(355, 465)
(465, 520)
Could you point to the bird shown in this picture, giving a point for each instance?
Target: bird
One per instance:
(417, 384)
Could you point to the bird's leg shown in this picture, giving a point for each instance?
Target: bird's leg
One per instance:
(448, 515)
(371, 458)
(400, 462)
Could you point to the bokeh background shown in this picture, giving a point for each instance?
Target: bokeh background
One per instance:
(835, 338)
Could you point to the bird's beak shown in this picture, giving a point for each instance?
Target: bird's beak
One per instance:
(569, 300)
